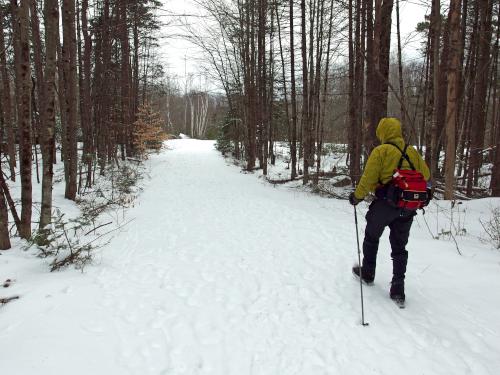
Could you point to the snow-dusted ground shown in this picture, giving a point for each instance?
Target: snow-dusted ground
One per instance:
(222, 273)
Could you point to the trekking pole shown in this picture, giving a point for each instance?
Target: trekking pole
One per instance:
(360, 270)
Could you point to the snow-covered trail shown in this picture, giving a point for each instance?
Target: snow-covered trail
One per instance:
(220, 273)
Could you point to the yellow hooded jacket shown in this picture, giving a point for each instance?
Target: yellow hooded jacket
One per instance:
(384, 159)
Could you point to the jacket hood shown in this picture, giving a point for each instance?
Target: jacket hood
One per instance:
(389, 130)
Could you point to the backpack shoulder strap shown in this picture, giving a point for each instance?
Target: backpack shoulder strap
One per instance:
(404, 155)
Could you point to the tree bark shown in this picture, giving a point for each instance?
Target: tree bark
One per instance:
(38, 65)
(452, 97)
(293, 97)
(351, 99)
(4, 222)
(85, 109)
(23, 76)
(262, 85)
(436, 36)
(356, 89)
(7, 106)
(48, 128)
(480, 92)
(126, 126)
(400, 70)
(305, 94)
(442, 95)
(379, 48)
(70, 83)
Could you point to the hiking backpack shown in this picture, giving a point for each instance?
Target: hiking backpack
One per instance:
(408, 188)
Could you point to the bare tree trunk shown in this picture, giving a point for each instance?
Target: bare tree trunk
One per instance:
(495, 178)
(23, 76)
(38, 67)
(436, 35)
(285, 92)
(7, 106)
(385, 52)
(61, 95)
(480, 92)
(85, 110)
(359, 87)
(368, 123)
(126, 138)
(103, 81)
(305, 94)
(379, 49)
(135, 79)
(464, 72)
(400, 70)
(356, 89)
(48, 129)
(452, 98)
(433, 87)
(191, 112)
(293, 98)
(442, 95)
(316, 91)
(325, 88)
(4, 215)
(4, 222)
(495, 124)
(425, 104)
(262, 85)
(71, 97)
(351, 99)
(203, 123)
(252, 90)
(38, 83)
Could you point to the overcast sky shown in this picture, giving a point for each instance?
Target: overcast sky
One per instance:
(180, 55)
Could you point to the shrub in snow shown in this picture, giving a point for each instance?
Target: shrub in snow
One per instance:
(492, 228)
(223, 144)
(61, 242)
(450, 222)
(73, 241)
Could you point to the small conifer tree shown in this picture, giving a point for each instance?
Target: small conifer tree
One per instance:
(148, 132)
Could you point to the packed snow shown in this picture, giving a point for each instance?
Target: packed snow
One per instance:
(221, 272)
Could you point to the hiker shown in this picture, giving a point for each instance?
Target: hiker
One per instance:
(392, 158)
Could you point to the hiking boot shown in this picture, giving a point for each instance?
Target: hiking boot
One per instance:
(398, 290)
(368, 277)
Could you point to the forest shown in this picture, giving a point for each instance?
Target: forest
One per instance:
(315, 72)
(82, 81)
(207, 187)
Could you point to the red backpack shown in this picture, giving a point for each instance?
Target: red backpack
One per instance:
(407, 188)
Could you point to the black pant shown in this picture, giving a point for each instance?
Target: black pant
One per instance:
(379, 216)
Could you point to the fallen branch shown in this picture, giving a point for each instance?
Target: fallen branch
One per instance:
(322, 190)
(134, 160)
(111, 231)
(284, 181)
(4, 301)
(74, 258)
(100, 226)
